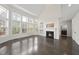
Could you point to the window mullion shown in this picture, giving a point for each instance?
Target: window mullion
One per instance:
(21, 26)
(10, 22)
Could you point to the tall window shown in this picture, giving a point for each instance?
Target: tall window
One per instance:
(31, 20)
(16, 23)
(35, 25)
(41, 27)
(30, 25)
(24, 24)
(4, 12)
(4, 15)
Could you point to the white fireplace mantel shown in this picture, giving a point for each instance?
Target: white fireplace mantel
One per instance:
(50, 29)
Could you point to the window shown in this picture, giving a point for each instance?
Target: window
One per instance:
(4, 12)
(4, 15)
(30, 27)
(16, 22)
(35, 27)
(24, 24)
(41, 27)
(31, 20)
(35, 21)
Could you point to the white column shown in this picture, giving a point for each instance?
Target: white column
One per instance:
(10, 25)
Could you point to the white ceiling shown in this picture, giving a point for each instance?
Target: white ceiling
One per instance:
(52, 11)
(69, 12)
(34, 8)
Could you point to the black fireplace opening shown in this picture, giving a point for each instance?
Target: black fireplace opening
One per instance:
(50, 34)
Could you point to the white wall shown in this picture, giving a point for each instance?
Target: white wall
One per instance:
(75, 28)
(69, 24)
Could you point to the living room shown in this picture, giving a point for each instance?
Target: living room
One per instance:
(45, 27)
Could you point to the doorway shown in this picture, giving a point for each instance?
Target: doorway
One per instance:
(63, 32)
(66, 28)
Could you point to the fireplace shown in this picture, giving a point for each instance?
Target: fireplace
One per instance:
(50, 34)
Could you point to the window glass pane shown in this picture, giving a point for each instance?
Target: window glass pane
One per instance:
(25, 19)
(4, 12)
(30, 27)
(35, 21)
(35, 27)
(24, 27)
(31, 20)
(2, 27)
(24, 24)
(16, 21)
(41, 27)
(3, 21)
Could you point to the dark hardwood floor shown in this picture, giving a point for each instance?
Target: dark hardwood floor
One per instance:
(39, 45)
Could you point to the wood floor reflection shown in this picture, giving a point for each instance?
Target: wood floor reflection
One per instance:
(38, 45)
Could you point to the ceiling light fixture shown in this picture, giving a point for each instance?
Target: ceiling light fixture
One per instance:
(69, 5)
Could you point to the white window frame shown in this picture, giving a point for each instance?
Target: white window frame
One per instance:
(5, 19)
(15, 21)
